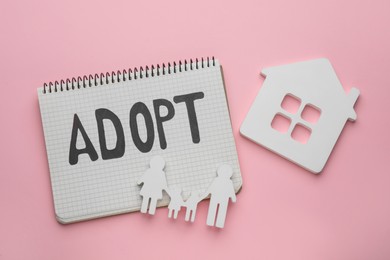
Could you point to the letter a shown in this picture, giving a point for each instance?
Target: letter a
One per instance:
(73, 151)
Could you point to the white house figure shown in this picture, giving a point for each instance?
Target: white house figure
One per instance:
(312, 85)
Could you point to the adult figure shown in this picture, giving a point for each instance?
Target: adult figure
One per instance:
(154, 182)
(221, 190)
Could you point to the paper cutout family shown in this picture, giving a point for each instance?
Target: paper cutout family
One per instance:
(312, 85)
(220, 191)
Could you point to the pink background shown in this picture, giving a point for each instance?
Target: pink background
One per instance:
(283, 212)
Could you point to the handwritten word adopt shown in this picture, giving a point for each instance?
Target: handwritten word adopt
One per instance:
(138, 109)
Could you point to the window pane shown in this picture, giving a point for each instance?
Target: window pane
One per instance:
(311, 113)
(301, 133)
(281, 123)
(291, 103)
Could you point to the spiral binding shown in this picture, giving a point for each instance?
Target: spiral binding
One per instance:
(124, 75)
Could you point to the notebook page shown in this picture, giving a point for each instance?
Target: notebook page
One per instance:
(90, 189)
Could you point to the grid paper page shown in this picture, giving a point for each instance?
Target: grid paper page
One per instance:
(91, 189)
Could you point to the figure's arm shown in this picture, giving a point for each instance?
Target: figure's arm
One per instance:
(208, 191)
(233, 194)
(168, 192)
(165, 187)
(234, 198)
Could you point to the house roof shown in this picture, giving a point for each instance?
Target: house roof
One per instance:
(314, 77)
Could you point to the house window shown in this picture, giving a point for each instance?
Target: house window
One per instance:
(311, 113)
(301, 133)
(291, 104)
(281, 123)
(296, 118)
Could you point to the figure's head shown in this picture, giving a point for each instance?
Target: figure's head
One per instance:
(157, 162)
(225, 171)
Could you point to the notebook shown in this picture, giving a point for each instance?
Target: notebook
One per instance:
(102, 130)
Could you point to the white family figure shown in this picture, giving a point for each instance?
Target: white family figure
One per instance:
(191, 204)
(154, 183)
(221, 190)
(175, 203)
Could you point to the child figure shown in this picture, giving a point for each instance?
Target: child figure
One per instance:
(175, 203)
(191, 205)
(154, 183)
